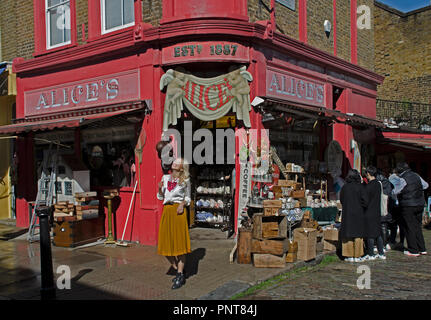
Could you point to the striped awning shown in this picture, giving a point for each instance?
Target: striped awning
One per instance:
(321, 112)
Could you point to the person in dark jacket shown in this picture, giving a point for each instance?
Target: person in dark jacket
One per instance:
(385, 220)
(412, 200)
(373, 229)
(353, 201)
(395, 211)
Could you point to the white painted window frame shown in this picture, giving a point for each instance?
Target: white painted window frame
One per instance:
(48, 25)
(103, 20)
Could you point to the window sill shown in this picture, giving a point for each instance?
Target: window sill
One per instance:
(110, 34)
(57, 49)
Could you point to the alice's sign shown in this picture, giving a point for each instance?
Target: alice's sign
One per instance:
(289, 87)
(207, 99)
(114, 88)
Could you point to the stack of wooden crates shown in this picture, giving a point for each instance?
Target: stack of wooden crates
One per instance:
(63, 210)
(87, 206)
(269, 243)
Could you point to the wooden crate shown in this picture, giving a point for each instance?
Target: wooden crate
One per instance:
(264, 227)
(292, 247)
(330, 245)
(269, 260)
(76, 233)
(277, 247)
(244, 246)
(272, 203)
(330, 234)
(291, 257)
(298, 194)
(267, 212)
(307, 241)
(286, 183)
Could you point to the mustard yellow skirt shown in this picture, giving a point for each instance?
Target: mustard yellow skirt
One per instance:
(174, 239)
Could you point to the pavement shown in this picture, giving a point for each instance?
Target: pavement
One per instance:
(399, 277)
(136, 272)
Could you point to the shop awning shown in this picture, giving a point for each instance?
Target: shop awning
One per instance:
(62, 121)
(321, 112)
(421, 143)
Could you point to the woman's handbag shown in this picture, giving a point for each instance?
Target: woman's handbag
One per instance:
(383, 203)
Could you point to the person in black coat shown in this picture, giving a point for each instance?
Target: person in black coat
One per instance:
(373, 229)
(353, 201)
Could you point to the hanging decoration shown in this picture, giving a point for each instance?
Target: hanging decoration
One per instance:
(207, 99)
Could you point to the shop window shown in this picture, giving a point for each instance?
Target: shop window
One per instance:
(68, 188)
(110, 164)
(58, 187)
(54, 25)
(58, 26)
(117, 14)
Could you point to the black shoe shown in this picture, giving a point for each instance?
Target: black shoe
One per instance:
(176, 277)
(179, 281)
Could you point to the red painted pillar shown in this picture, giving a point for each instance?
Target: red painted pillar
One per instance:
(343, 133)
(302, 12)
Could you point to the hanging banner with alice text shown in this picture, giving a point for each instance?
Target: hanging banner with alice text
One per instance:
(207, 99)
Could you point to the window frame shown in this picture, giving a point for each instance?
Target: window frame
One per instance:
(103, 19)
(48, 24)
(40, 29)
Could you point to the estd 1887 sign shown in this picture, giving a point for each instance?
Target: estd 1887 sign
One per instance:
(201, 51)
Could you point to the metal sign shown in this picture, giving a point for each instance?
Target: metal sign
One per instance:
(287, 3)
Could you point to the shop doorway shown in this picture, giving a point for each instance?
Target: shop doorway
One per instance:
(209, 148)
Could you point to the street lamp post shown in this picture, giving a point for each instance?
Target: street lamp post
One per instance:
(47, 290)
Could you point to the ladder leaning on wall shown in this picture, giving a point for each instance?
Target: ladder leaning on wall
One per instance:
(46, 187)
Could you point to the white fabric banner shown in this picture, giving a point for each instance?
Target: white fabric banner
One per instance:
(206, 98)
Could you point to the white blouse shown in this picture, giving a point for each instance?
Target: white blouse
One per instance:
(173, 191)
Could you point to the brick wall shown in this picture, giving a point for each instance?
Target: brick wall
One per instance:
(81, 18)
(403, 54)
(286, 19)
(366, 40)
(18, 41)
(8, 29)
(152, 11)
(317, 12)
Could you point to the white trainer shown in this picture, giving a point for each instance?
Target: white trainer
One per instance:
(381, 256)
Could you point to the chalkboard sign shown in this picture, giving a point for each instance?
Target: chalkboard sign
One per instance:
(287, 3)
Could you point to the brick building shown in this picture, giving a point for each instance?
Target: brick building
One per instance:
(403, 57)
(105, 74)
(10, 47)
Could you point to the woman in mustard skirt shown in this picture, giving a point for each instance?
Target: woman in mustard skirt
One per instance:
(174, 239)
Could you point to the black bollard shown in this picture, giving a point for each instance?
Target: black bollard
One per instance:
(47, 289)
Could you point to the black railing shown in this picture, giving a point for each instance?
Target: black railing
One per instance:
(405, 114)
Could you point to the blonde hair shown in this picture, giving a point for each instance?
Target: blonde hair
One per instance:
(184, 171)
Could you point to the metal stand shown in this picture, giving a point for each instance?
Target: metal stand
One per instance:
(47, 290)
(109, 195)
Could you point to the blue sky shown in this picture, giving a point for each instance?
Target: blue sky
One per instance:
(406, 5)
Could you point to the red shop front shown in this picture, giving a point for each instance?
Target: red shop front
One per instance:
(117, 92)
